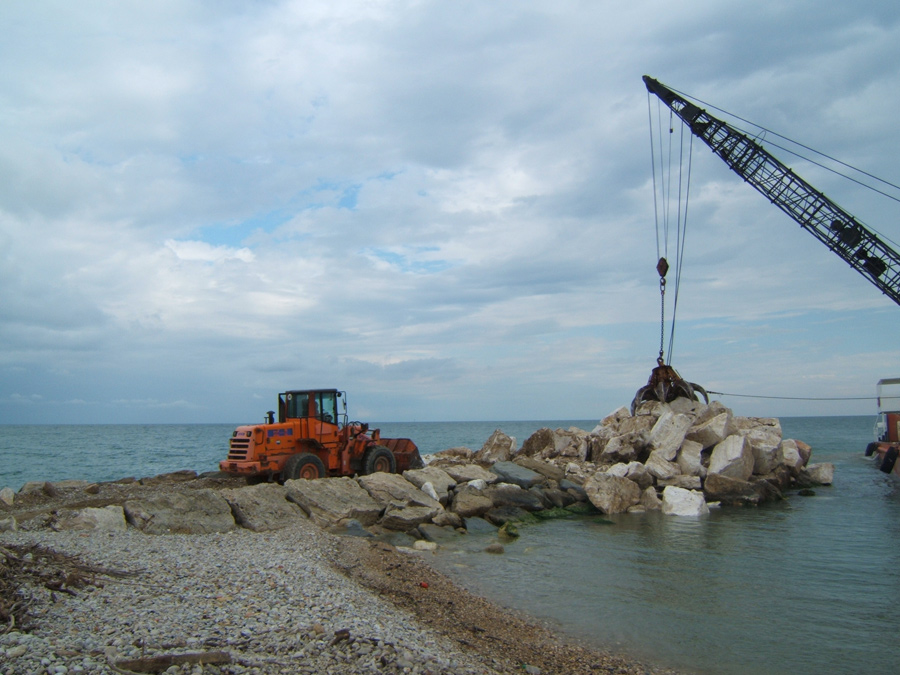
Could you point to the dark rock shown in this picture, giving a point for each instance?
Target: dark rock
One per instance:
(166, 478)
(500, 515)
(479, 526)
(438, 534)
(736, 492)
(510, 472)
(508, 495)
(495, 548)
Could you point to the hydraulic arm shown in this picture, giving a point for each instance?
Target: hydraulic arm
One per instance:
(840, 231)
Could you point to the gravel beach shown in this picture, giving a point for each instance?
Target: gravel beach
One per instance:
(295, 600)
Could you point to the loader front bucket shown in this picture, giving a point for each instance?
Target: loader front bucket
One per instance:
(406, 453)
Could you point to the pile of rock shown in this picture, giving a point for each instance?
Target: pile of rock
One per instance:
(675, 457)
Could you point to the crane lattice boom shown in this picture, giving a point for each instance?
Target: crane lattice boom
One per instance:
(840, 231)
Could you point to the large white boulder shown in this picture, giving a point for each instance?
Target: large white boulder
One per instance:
(668, 433)
(680, 502)
(733, 457)
(712, 431)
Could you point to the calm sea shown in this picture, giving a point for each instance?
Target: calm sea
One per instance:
(810, 585)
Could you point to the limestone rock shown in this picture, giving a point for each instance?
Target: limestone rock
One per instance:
(690, 459)
(511, 472)
(710, 432)
(8, 524)
(634, 471)
(650, 500)
(615, 417)
(612, 494)
(460, 454)
(261, 507)
(625, 447)
(816, 474)
(191, 512)
(668, 434)
(330, 500)
(498, 448)
(468, 502)
(679, 502)
(735, 492)
(405, 518)
(7, 496)
(429, 490)
(463, 473)
(440, 480)
(685, 482)
(733, 458)
(659, 467)
(390, 488)
(108, 518)
(789, 455)
(538, 443)
(551, 471)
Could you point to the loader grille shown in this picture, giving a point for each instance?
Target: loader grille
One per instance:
(238, 448)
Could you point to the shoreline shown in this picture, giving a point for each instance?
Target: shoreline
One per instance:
(293, 600)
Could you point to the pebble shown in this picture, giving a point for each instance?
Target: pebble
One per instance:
(270, 600)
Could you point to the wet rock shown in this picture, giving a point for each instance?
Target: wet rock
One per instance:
(496, 548)
(788, 454)
(479, 526)
(733, 491)
(505, 494)
(500, 515)
(612, 494)
(816, 474)
(679, 502)
(650, 499)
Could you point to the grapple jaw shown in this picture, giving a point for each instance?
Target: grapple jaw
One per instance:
(665, 385)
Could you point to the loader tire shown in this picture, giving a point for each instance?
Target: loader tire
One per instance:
(305, 465)
(379, 458)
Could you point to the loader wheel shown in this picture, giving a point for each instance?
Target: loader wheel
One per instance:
(379, 458)
(305, 465)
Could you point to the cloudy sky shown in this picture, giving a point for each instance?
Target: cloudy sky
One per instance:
(445, 208)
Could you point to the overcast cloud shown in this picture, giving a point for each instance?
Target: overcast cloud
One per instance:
(445, 208)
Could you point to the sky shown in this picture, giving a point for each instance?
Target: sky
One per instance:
(444, 208)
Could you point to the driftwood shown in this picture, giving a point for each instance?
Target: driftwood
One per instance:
(161, 662)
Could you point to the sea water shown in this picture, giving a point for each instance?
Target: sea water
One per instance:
(808, 585)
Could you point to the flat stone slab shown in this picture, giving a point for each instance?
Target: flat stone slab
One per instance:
(510, 472)
(190, 512)
(262, 507)
(329, 500)
(464, 473)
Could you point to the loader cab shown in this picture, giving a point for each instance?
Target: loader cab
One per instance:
(887, 425)
(320, 404)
